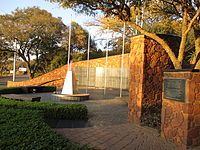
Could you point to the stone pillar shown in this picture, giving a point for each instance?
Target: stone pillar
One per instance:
(181, 118)
(148, 60)
(136, 78)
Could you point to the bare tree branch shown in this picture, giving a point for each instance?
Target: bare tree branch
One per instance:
(192, 21)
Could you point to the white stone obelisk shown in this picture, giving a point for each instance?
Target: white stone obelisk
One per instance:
(69, 86)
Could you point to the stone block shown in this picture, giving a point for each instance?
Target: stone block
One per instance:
(184, 115)
(150, 60)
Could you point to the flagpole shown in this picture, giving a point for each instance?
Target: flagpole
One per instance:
(69, 44)
(122, 62)
(88, 58)
(105, 79)
(14, 60)
(14, 67)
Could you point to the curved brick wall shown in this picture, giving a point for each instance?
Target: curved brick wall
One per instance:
(56, 77)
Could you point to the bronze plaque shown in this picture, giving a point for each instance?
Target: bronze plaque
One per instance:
(174, 89)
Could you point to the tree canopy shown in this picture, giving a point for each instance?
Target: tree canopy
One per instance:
(40, 39)
(187, 11)
(78, 48)
(115, 27)
(30, 33)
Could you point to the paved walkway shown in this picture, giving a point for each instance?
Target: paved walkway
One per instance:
(118, 137)
(109, 112)
(109, 128)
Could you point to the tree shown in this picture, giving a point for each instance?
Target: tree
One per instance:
(79, 38)
(115, 27)
(79, 42)
(5, 62)
(188, 10)
(30, 33)
(174, 10)
(59, 59)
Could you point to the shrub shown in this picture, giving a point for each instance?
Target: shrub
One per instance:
(11, 90)
(25, 130)
(151, 115)
(50, 110)
(38, 89)
(47, 88)
(27, 89)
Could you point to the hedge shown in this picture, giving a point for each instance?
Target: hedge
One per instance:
(11, 91)
(50, 110)
(27, 89)
(26, 130)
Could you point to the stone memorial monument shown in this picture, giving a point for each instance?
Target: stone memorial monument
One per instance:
(70, 85)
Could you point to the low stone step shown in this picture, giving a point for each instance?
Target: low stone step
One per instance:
(74, 97)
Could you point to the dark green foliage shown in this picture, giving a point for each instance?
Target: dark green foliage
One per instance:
(26, 130)
(5, 62)
(50, 110)
(46, 89)
(38, 89)
(94, 54)
(11, 90)
(151, 115)
(116, 7)
(59, 59)
(27, 89)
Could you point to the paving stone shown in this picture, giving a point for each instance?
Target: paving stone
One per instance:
(111, 131)
(139, 141)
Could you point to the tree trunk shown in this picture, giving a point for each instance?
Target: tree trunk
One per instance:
(197, 48)
(29, 70)
(197, 51)
(197, 66)
(176, 63)
(195, 19)
(183, 37)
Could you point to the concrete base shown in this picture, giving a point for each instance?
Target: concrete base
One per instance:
(74, 97)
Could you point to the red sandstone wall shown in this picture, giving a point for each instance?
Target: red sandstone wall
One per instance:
(148, 60)
(156, 60)
(181, 120)
(56, 77)
(136, 78)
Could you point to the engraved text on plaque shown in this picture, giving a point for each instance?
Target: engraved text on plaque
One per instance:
(174, 89)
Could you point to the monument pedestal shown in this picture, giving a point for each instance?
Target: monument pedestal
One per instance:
(181, 108)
